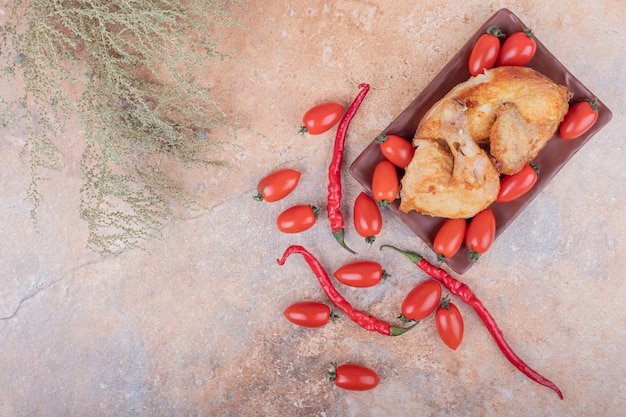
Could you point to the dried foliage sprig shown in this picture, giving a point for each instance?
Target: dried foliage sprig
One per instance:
(135, 64)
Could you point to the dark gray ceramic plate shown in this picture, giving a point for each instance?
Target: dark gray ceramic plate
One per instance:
(551, 159)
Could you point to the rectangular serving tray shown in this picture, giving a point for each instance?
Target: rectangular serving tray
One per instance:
(551, 158)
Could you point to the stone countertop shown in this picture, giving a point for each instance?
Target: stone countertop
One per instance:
(193, 324)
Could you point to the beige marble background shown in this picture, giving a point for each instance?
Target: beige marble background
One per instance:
(193, 324)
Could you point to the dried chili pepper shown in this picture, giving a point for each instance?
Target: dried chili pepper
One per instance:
(334, 170)
(465, 293)
(364, 320)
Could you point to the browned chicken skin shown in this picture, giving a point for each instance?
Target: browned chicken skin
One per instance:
(512, 110)
(452, 180)
(514, 142)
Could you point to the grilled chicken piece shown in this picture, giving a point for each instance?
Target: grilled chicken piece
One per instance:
(451, 180)
(513, 141)
(530, 106)
(512, 110)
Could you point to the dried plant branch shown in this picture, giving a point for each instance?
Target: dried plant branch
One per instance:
(135, 63)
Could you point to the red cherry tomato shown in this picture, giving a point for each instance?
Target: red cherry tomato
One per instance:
(485, 51)
(449, 238)
(396, 149)
(368, 221)
(321, 118)
(517, 50)
(449, 324)
(354, 377)
(308, 314)
(385, 184)
(361, 274)
(277, 185)
(297, 219)
(480, 234)
(421, 300)
(518, 184)
(579, 119)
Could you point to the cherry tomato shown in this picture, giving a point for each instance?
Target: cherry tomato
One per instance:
(308, 314)
(361, 274)
(579, 119)
(385, 184)
(277, 185)
(449, 238)
(449, 324)
(421, 300)
(353, 377)
(321, 118)
(485, 51)
(517, 50)
(518, 184)
(480, 234)
(368, 221)
(396, 149)
(297, 219)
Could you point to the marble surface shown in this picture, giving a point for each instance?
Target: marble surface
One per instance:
(193, 324)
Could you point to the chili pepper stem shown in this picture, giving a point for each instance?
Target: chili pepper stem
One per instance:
(340, 237)
(397, 331)
(414, 257)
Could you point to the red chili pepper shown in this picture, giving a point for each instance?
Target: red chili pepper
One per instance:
(334, 170)
(465, 293)
(364, 320)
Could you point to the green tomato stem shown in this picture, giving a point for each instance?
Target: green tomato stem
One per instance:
(536, 168)
(529, 33)
(472, 255)
(495, 31)
(381, 138)
(445, 302)
(333, 374)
